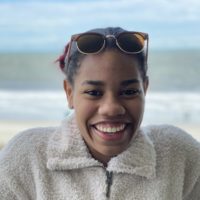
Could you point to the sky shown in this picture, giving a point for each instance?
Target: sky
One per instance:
(46, 25)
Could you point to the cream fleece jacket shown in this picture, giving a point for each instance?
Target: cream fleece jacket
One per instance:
(161, 163)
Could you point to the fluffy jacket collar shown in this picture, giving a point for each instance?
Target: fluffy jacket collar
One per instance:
(67, 151)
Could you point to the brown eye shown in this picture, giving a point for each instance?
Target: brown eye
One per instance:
(130, 92)
(94, 93)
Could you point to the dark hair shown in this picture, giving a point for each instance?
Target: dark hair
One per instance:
(76, 57)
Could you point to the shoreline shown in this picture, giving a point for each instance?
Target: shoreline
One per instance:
(8, 129)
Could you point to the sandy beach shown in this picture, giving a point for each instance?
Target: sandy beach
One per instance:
(10, 128)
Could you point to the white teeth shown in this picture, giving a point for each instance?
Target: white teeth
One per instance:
(110, 129)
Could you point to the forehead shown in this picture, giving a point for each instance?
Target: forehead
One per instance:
(108, 65)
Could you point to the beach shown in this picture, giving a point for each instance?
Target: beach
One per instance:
(31, 91)
(8, 129)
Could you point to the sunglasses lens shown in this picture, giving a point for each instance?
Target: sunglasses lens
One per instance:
(131, 42)
(90, 43)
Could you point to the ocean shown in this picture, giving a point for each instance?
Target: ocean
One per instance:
(31, 87)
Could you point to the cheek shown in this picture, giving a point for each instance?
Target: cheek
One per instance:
(141, 106)
(84, 110)
(137, 108)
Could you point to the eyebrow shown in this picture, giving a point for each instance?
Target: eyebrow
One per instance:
(95, 83)
(129, 82)
(101, 83)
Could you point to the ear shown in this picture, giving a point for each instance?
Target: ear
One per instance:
(69, 93)
(146, 84)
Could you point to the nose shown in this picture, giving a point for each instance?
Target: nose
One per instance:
(111, 107)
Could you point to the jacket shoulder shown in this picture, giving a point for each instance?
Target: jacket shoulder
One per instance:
(20, 160)
(25, 146)
(168, 138)
(170, 134)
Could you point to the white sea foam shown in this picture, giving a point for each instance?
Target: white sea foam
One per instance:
(173, 107)
(32, 105)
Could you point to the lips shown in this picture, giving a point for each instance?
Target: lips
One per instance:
(110, 131)
(110, 128)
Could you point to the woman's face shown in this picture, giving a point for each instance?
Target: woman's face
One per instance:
(108, 99)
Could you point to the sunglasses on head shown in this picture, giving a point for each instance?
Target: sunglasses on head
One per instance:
(93, 43)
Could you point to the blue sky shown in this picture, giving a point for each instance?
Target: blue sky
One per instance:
(46, 25)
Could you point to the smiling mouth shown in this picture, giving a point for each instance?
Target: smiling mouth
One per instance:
(110, 128)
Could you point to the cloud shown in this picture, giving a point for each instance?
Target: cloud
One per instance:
(50, 23)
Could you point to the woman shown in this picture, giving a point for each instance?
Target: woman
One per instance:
(100, 151)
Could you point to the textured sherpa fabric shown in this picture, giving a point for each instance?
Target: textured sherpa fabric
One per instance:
(161, 163)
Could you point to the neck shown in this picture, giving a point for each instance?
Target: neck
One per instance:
(104, 159)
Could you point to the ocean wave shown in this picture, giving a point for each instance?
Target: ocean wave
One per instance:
(161, 107)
